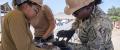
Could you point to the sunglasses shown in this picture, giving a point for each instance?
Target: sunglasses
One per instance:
(83, 8)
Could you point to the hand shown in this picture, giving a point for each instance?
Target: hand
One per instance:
(63, 45)
(39, 39)
(40, 42)
(61, 33)
(41, 45)
(66, 33)
(60, 43)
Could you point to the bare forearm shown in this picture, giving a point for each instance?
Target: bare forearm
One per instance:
(49, 31)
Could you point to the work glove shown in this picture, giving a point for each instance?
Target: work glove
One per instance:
(40, 42)
(66, 33)
(61, 43)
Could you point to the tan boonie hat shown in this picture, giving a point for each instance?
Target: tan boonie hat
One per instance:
(73, 5)
(39, 2)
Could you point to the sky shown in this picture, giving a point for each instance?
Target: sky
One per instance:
(57, 6)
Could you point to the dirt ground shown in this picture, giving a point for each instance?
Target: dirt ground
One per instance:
(116, 39)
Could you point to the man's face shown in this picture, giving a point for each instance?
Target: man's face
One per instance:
(83, 12)
(28, 11)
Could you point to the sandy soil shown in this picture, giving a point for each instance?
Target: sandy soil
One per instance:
(116, 39)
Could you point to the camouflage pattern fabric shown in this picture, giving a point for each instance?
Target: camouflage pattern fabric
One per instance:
(94, 32)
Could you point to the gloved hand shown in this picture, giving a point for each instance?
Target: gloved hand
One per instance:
(63, 45)
(40, 42)
(60, 43)
(66, 33)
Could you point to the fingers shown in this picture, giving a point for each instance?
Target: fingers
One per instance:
(61, 34)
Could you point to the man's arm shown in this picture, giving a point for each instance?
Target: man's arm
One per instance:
(100, 35)
(51, 21)
(19, 32)
(69, 33)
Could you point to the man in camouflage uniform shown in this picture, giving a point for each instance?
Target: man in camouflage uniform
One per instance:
(93, 24)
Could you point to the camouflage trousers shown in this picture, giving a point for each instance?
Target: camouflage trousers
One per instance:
(108, 46)
(92, 46)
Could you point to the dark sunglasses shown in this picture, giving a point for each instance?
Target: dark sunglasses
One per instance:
(79, 10)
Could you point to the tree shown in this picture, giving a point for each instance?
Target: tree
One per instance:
(114, 11)
(114, 14)
(115, 18)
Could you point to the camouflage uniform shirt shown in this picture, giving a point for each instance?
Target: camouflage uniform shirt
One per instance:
(95, 31)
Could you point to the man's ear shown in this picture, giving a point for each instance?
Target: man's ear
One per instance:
(24, 6)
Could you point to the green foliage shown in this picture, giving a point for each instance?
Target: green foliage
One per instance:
(115, 18)
(114, 13)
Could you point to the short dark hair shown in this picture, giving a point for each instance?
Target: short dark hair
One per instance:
(97, 2)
